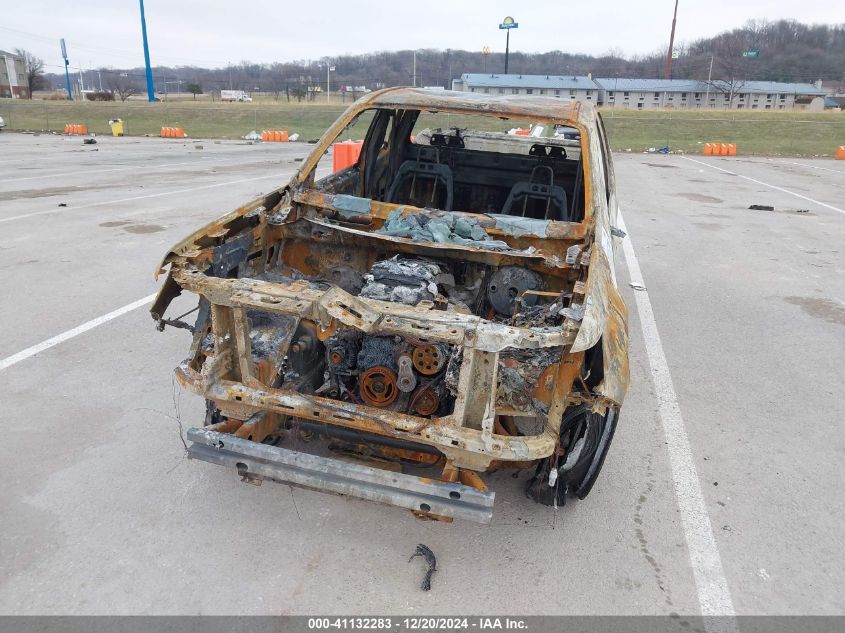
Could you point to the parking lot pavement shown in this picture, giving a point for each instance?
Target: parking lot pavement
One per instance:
(103, 513)
(99, 251)
(750, 308)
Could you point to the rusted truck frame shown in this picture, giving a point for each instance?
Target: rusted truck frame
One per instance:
(304, 223)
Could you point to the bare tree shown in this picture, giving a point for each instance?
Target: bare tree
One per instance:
(121, 84)
(33, 70)
(731, 66)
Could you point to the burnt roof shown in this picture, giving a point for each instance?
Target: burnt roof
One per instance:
(510, 106)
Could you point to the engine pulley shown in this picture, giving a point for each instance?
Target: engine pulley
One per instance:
(508, 283)
(377, 387)
(429, 359)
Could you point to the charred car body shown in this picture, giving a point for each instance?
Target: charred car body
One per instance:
(444, 307)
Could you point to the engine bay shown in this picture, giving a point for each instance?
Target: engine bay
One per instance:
(409, 374)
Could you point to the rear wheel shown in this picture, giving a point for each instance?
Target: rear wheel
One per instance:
(585, 437)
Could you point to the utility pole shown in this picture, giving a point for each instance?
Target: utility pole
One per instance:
(329, 69)
(667, 74)
(507, 24)
(230, 74)
(151, 93)
(709, 78)
(415, 69)
(67, 74)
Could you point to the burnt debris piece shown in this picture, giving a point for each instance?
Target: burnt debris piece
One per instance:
(407, 281)
(431, 561)
(442, 228)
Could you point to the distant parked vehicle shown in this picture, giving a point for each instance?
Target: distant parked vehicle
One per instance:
(2, 124)
(234, 95)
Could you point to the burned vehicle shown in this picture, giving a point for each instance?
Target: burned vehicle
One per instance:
(443, 307)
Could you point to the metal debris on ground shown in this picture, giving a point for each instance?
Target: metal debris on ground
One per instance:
(761, 207)
(636, 286)
(431, 561)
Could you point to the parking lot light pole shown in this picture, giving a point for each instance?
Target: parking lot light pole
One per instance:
(151, 94)
(67, 74)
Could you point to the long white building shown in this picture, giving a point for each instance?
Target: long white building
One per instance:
(647, 94)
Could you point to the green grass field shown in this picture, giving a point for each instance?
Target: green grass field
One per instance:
(793, 133)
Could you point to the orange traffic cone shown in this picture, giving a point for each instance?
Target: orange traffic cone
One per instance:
(840, 152)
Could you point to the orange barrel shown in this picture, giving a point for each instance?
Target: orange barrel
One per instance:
(731, 149)
(263, 135)
(840, 152)
(708, 149)
(346, 154)
(355, 151)
(83, 129)
(283, 136)
(340, 151)
(723, 149)
(67, 127)
(180, 132)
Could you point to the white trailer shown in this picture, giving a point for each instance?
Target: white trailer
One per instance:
(234, 95)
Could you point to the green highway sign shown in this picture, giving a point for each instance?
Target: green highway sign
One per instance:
(751, 53)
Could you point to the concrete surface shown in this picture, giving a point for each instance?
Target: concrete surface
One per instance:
(102, 513)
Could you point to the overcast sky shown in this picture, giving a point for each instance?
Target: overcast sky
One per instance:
(215, 32)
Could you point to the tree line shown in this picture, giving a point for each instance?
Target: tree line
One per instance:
(786, 50)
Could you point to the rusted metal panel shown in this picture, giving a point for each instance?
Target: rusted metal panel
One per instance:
(251, 459)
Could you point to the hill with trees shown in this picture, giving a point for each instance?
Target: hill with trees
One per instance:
(788, 51)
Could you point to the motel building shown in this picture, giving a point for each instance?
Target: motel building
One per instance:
(647, 94)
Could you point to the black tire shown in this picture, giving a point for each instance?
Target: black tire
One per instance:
(597, 432)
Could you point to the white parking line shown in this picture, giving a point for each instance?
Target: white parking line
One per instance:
(95, 170)
(7, 362)
(151, 195)
(765, 184)
(835, 171)
(714, 597)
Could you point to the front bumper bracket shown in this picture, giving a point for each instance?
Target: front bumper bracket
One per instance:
(346, 478)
